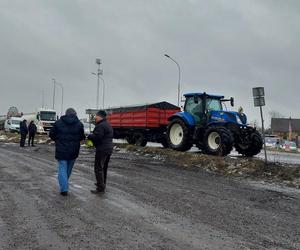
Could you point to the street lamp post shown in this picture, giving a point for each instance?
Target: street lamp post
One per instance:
(53, 92)
(99, 73)
(178, 90)
(62, 97)
(103, 88)
(103, 91)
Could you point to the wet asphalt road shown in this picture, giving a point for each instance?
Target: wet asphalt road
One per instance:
(148, 205)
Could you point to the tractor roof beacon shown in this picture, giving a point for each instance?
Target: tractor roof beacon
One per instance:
(214, 131)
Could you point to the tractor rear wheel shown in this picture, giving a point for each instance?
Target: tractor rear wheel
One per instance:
(218, 141)
(253, 148)
(178, 135)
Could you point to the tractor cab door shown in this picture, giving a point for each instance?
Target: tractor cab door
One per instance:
(195, 108)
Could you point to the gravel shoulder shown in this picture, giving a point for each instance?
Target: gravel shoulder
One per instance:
(149, 204)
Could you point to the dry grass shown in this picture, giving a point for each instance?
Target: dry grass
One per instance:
(228, 166)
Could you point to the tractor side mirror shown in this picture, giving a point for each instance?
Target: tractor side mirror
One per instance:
(232, 101)
(196, 99)
(37, 116)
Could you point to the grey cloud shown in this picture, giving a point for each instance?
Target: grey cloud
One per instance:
(223, 47)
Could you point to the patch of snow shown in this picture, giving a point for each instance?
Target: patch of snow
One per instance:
(3, 137)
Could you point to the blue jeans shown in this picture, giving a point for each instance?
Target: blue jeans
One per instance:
(64, 173)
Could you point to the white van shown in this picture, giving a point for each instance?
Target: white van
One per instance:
(13, 124)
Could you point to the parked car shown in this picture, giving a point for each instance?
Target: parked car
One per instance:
(272, 142)
(12, 125)
(289, 146)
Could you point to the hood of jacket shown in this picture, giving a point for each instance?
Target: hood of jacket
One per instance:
(69, 119)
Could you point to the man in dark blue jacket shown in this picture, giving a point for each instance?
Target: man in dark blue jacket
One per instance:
(23, 132)
(32, 129)
(101, 137)
(67, 133)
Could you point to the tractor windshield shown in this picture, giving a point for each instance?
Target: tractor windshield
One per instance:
(213, 104)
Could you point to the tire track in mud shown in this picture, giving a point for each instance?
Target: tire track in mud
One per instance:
(145, 207)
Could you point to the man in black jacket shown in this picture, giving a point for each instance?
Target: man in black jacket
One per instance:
(31, 133)
(101, 137)
(67, 133)
(23, 132)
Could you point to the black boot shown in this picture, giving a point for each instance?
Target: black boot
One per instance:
(96, 191)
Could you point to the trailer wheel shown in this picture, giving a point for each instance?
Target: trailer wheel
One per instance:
(178, 135)
(130, 140)
(217, 141)
(253, 148)
(140, 140)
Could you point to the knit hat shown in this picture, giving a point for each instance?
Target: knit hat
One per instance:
(101, 113)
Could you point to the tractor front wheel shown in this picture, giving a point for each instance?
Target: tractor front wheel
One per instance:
(178, 135)
(253, 148)
(218, 141)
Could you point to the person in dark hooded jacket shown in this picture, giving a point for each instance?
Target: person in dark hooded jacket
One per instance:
(67, 133)
(23, 132)
(31, 133)
(102, 138)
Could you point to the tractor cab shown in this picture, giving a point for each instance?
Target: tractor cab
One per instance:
(201, 105)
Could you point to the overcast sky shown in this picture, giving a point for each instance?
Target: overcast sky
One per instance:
(223, 47)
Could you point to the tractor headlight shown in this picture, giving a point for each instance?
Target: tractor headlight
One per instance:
(238, 119)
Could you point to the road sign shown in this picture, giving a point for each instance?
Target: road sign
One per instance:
(259, 96)
(258, 92)
(259, 101)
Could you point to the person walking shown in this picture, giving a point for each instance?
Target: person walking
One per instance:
(101, 137)
(31, 133)
(67, 132)
(23, 132)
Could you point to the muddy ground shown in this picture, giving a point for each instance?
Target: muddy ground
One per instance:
(150, 203)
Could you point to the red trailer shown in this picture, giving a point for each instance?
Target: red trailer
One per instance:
(142, 123)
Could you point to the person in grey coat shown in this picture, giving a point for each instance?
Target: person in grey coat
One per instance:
(101, 137)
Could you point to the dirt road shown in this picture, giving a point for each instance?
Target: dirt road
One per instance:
(148, 205)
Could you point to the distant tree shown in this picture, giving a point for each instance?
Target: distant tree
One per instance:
(276, 114)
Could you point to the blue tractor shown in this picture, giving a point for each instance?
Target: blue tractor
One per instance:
(213, 130)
